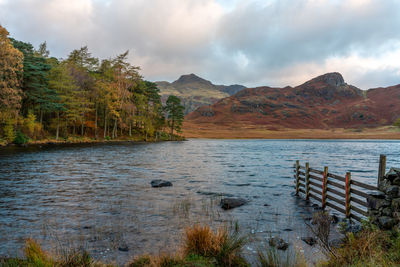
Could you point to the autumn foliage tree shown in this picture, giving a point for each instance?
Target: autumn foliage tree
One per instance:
(42, 96)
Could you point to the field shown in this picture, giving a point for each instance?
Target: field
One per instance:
(191, 130)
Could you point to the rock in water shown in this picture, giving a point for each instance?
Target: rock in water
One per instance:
(309, 240)
(231, 202)
(160, 183)
(279, 243)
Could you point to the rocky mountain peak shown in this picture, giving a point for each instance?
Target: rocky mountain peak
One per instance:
(332, 78)
(191, 78)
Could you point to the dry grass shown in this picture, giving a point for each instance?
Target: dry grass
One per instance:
(244, 131)
(201, 247)
(370, 247)
(221, 245)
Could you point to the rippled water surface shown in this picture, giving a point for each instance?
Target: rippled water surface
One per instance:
(99, 197)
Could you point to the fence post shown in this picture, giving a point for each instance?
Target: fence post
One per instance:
(307, 181)
(348, 194)
(382, 167)
(297, 177)
(324, 187)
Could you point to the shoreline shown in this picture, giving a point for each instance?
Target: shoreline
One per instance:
(84, 141)
(210, 131)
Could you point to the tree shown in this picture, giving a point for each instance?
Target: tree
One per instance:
(175, 113)
(37, 94)
(11, 60)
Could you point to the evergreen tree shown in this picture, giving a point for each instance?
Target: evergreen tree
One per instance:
(175, 113)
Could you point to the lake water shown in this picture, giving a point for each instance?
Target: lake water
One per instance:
(99, 196)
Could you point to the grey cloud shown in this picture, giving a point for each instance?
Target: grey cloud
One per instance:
(252, 42)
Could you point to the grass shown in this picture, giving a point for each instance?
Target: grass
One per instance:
(36, 257)
(369, 247)
(270, 257)
(204, 247)
(201, 247)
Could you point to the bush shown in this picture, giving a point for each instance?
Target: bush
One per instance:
(224, 247)
(20, 138)
(9, 132)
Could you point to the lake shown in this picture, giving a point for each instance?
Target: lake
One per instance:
(99, 197)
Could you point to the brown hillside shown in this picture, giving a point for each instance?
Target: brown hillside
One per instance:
(325, 102)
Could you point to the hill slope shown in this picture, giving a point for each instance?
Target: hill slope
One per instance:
(195, 91)
(325, 102)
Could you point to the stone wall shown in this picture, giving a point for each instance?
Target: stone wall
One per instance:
(384, 205)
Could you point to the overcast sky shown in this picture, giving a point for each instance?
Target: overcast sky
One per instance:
(275, 43)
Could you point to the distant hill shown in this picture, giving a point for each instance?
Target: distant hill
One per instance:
(324, 102)
(195, 91)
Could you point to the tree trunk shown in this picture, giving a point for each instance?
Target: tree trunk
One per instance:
(58, 125)
(105, 122)
(82, 124)
(130, 128)
(172, 128)
(95, 123)
(114, 131)
(41, 116)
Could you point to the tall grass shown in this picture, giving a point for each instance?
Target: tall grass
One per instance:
(369, 247)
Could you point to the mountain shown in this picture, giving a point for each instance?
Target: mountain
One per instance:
(195, 91)
(325, 102)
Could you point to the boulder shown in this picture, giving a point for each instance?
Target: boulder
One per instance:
(232, 202)
(160, 183)
(376, 203)
(393, 174)
(392, 190)
(377, 194)
(396, 204)
(383, 185)
(386, 222)
(396, 181)
(278, 242)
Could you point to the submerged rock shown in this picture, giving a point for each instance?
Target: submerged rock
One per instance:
(123, 248)
(309, 240)
(279, 243)
(160, 183)
(231, 202)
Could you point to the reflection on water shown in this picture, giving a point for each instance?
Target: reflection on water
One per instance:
(99, 197)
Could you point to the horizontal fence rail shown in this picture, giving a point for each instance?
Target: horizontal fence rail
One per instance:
(340, 193)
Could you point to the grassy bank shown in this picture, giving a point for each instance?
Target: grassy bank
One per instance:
(89, 140)
(201, 247)
(245, 131)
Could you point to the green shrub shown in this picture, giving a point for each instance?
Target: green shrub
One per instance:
(20, 138)
(9, 132)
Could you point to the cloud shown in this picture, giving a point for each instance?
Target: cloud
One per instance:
(250, 42)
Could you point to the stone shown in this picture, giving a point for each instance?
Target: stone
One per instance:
(376, 203)
(334, 219)
(383, 185)
(231, 202)
(123, 248)
(396, 181)
(336, 243)
(267, 205)
(392, 190)
(377, 194)
(160, 183)
(279, 243)
(311, 241)
(288, 230)
(396, 204)
(396, 215)
(387, 211)
(386, 222)
(393, 174)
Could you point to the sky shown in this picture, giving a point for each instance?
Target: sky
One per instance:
(253, 42)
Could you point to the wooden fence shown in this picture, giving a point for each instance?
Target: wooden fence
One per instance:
(337, 192)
